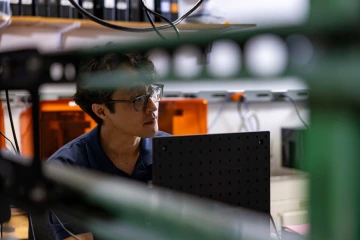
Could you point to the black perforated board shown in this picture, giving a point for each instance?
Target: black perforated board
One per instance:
(233, 168)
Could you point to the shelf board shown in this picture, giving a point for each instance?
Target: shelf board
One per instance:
(58, 23)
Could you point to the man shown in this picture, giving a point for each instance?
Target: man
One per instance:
(127, 120)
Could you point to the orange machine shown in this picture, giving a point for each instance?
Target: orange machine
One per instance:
(183, 116)
(61, 121)
(2, 127)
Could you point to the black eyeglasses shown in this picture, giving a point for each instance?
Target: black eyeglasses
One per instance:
(141, 102)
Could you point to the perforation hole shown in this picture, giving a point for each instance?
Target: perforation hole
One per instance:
(220, 194)
(247, 137)
(170, 165)
(220, 161)
(229, 149)
(180, 176)
(200, 174)
(229, 182)
(220, 183)
(210, 173)
(180, 164)
(220, 172)
(190, 186)
(238, 149)
(190, 164)
(159, 166)
(257, 136)
(229, 172)
(229, 138)
(247, 148)
(200, 185)
(229, 194)
(210, 184)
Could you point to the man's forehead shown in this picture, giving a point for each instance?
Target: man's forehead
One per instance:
(133, 88)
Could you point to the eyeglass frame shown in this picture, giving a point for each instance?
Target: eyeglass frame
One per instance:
(147, 96)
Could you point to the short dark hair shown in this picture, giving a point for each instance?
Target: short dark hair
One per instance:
(87, 95)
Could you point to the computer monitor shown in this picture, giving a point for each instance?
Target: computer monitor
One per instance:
(233, 168)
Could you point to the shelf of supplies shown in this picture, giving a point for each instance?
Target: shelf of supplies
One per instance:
(58, 23)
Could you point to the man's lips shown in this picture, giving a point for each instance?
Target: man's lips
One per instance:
(151, 121)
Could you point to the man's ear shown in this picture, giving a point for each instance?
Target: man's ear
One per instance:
(99, 110)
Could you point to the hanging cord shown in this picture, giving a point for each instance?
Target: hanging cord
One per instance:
(62, 225)
(2, 134)
(147, 10)
(11, 120)
(245, 119)
(276, 231)
(297, 110)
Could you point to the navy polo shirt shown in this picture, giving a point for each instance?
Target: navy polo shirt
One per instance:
(86, 151)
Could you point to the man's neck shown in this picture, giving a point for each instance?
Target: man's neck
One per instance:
(122, 149)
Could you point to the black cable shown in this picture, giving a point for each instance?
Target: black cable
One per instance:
(71, 234)
(277, 234)
(297, 111)
(11, 120)
(147, 10)
(32, 227)
(1, 133)
(153, 25)
(129, 29)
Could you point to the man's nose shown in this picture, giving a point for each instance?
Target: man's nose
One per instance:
(151, 106)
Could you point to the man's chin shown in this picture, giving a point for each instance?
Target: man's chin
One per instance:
(149, 132)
